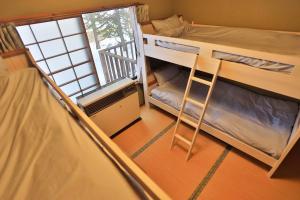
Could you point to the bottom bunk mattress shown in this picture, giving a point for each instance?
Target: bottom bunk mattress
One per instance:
(44, 153)
(260, 121)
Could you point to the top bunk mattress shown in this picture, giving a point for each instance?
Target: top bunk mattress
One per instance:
(45, 154)
(260, 121)
(246, 38)
(261, 40)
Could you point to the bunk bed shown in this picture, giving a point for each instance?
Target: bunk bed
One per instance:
(263, 60)
(51, 150)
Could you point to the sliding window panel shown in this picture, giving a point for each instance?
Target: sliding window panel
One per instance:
(64, 76)
(61, 49)
(45, 31)
(43, 65)
(84, 69)
(35, 52)
(26, 34)
(75, 42)
(90, 89)
(71, 88)
(53, 48)
(59, 63)
(88, 81)
(73, 98)
(70, 26)
(80, 56)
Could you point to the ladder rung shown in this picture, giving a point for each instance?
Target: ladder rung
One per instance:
(183, 139)
(195, 102)
(199, 80)
(189, 122)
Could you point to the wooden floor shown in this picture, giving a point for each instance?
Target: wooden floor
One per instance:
(215, 171)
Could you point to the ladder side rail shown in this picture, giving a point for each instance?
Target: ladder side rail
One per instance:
(187, 91)
(204, 109)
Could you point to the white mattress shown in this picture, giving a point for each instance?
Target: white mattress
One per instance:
(246, 38)
(260, 121)
(45, 153)
(267, 41)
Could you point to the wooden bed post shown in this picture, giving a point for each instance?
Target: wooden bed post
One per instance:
(293, 140)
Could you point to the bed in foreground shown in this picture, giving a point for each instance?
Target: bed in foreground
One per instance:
(46, 153)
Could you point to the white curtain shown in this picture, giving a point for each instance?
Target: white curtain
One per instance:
(9, 38)
(137, 39)
(142, 13)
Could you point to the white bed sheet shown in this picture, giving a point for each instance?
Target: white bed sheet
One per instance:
(246, 38)
(253, 39)
(253, 62)
(45, 153)
(260, 121)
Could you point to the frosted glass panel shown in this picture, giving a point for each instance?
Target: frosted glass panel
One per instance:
(45, 31)
(71, 88)
(87, 81)
(53, 48)
(79, 56)
(73, 98)
(25, 34)
(70, 26)
(63, 77)
(75, 42)
(59, 62)
(90, 89)
(43, 66)
(35, 51)
(84, 69)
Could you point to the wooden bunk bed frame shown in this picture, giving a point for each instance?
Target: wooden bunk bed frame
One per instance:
(21, 58)
(276, 82)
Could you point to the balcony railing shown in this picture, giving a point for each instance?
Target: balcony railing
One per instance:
(119, 61)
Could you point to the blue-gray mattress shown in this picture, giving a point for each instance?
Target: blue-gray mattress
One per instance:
(263, 122)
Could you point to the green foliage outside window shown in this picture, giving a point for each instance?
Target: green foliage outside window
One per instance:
(110, 24)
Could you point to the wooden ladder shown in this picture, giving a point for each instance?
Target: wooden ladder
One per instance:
(214, 64)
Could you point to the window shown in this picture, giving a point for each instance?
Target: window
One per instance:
(61, 49)
(81, 53)
(111, 37)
